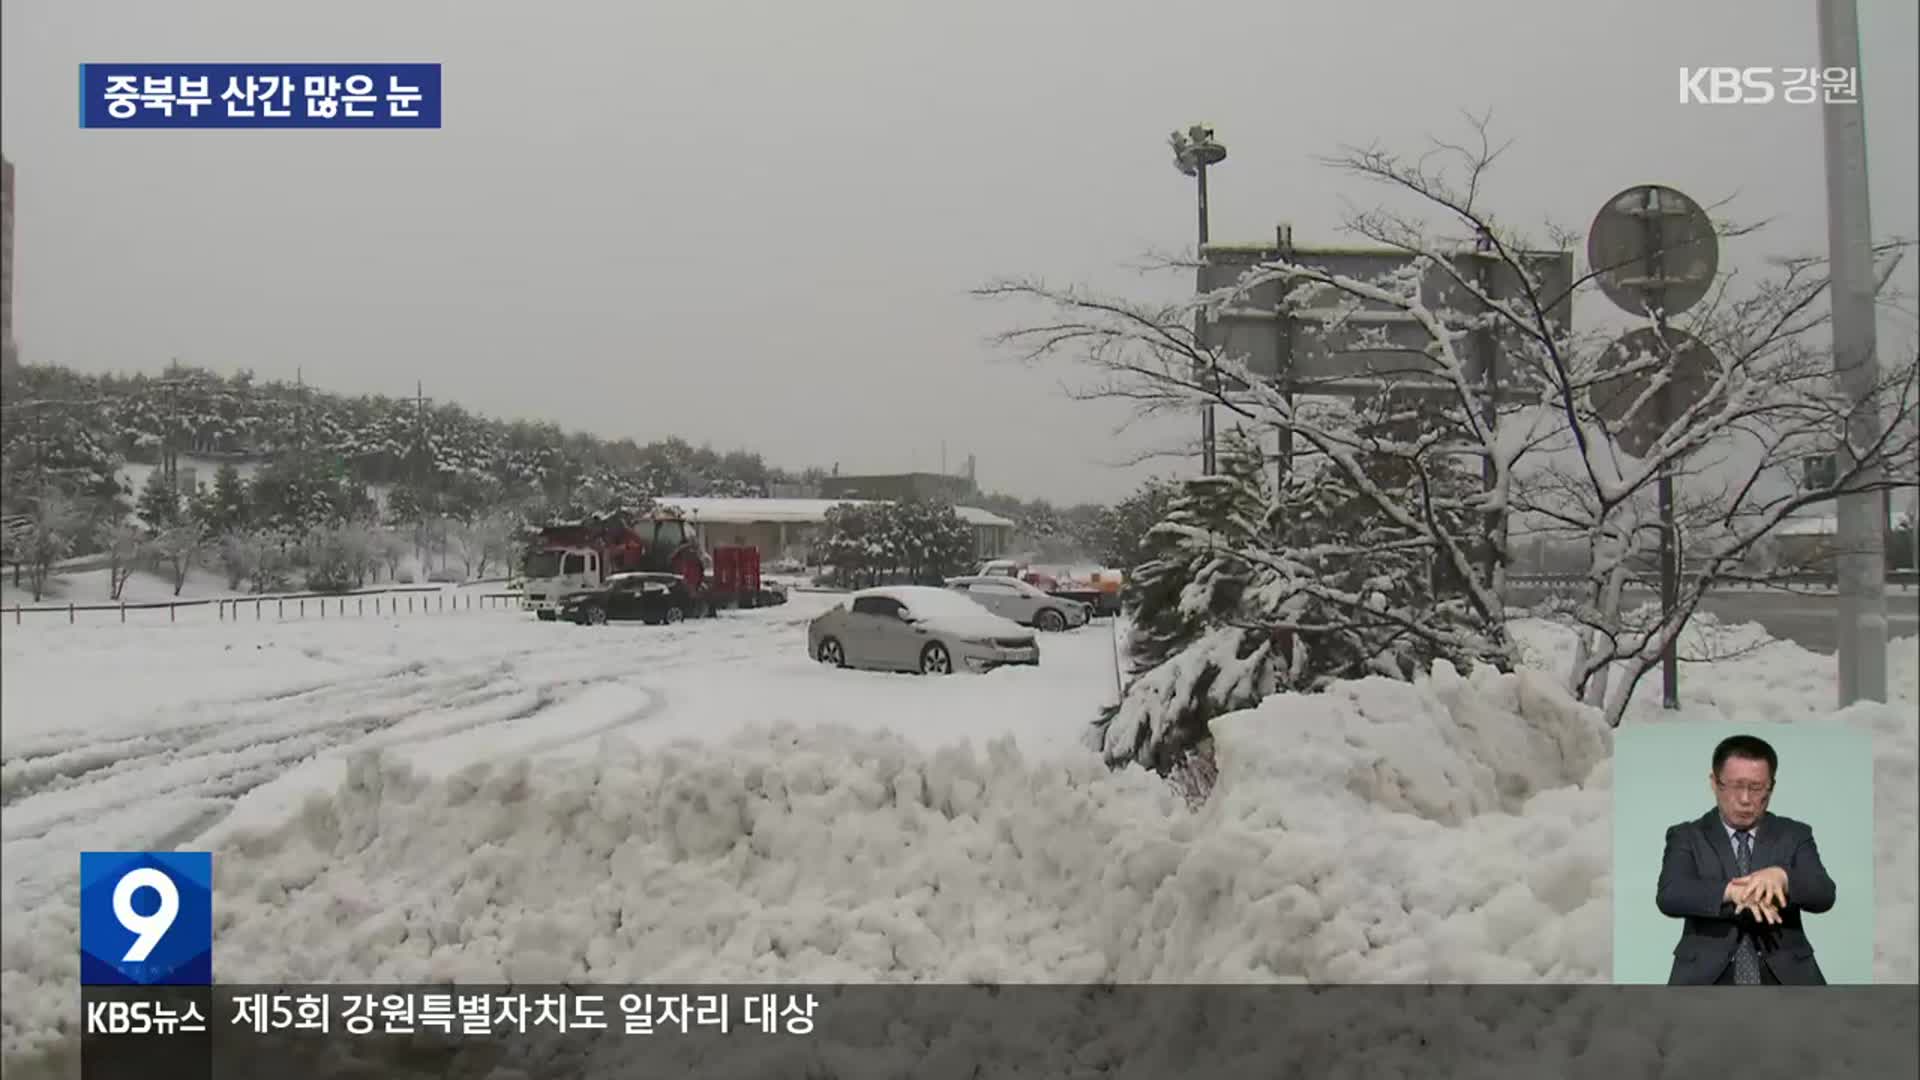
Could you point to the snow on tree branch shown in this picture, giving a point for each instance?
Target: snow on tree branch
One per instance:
(1542, 450)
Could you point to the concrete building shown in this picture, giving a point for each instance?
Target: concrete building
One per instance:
(9, 352)
(1810, 543)
(911, 485)
(787, 529)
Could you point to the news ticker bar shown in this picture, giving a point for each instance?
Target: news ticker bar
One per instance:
(295, 1032)
(320, 1011)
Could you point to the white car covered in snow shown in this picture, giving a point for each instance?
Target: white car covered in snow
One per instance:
(1026, 604)
(917, 628)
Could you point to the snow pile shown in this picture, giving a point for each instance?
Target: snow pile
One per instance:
(832, 855)
(1452, 831)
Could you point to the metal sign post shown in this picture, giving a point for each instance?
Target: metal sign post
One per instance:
(1669, 558)
(1654, 252)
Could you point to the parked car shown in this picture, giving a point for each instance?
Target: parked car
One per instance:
(1024, 603)
(920, 628)
(647, 596)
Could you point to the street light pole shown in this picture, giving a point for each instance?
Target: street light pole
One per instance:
(1861, 540)
(1194, 150)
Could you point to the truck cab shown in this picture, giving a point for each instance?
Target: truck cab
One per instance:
(552, 574)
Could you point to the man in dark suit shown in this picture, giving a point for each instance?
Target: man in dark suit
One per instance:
(1742, 878)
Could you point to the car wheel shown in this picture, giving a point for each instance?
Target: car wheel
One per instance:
(1050, 621)
(674, 614)
(596, 616)
(830, 652)
(935, 660)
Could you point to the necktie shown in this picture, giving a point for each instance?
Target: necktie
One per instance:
(1746, 959)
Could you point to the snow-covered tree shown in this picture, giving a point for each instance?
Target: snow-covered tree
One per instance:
(874, 542)
(928, 540)
(855, 547)
(53, 527)
(1196, 646)
(339, 557)
(239, 557)
(407, 505)
(1242, 595)
(299, 494)
(606, 492)
(1540, 448)
(484, 542)
(52, 442)
(176, 550)
(124, 546)
(160, 504)
(225, 507)
(263, 561)
(392, 545)
(1119, 534)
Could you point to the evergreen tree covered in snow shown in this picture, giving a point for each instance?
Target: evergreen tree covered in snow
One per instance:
(1243, 595)
(69, 432)
(160, 505)
(928, 540)
(870, 543)
(298, 494)
(227, 505)
(1194, 648)
(1119, 533)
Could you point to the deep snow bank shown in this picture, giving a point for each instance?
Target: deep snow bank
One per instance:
(829, 855)
(1451, 831)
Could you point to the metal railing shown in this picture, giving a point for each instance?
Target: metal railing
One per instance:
(1895, 579)
(418, 600)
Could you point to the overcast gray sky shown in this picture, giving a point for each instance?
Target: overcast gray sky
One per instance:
(756, 224)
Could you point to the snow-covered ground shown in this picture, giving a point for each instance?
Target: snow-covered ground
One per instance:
(93, 587)
(482, 797)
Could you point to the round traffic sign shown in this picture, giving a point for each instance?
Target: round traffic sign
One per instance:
(1635, 417)
(1653, 249)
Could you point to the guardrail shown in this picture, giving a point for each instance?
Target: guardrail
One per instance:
(1894, 578)
(419, 599)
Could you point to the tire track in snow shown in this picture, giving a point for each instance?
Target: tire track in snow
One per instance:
(173, 783)
(230, 761)
(224, 773)
(183, 716)
(25, 775)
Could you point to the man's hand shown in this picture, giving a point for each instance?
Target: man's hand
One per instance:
(1762, 894)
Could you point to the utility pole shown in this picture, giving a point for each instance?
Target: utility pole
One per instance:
(300, 414)
(1193, 151)
(1861, 540)
(419, 436)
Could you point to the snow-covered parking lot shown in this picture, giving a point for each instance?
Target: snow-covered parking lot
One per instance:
(704, 803)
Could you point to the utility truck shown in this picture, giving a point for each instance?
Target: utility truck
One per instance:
(568, 560)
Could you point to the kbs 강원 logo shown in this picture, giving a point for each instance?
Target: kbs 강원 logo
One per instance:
(146, 918)
(1761, 85)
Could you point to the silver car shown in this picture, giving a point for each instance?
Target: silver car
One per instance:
(917, 628)
(1023, 602)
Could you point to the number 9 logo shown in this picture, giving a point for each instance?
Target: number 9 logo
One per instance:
(148, 930)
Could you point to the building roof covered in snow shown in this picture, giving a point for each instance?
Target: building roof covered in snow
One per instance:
(792, 511)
